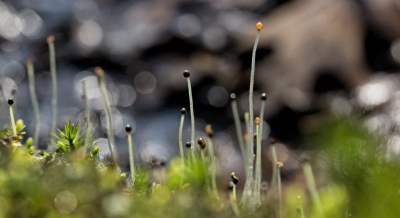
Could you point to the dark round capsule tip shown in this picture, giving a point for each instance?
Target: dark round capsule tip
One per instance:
(128, 128)
(186, 73)
(233, 96)
(263, 96)
(183, 111)
(201, 143)
(188, 144)
(10, 101)
(234, 178)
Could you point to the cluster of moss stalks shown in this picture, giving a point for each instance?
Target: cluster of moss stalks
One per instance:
(70, 180)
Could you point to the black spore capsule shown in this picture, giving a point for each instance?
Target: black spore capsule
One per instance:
(188, 144)
(128, 128)
(235, 179)
(10, 101)
(263, 96)
(186, 73)
(183, 111)
(202, 143)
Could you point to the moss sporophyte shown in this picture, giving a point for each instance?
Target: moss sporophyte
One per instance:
(74, 178)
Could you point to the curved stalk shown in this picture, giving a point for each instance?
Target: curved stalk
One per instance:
(183, 112)
(52, 54)
(128, 130)
(34, 101)
(248, 185)
(100, 77)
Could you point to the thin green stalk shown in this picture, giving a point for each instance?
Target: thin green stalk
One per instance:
(187, 75)
(279, 166)
(274, 168)
(210, 134)
(202, 145)
(34, 100)
(88, 116)
(232, 197)
(235, 181)
(249, 153)
(257, 188)
(10, 103)
(52, 54)
(238, 127)
(300, 208)
(100, 77)
(128, 130)
(263, 99)
(248, 185)
(183, 112)
(312, 187)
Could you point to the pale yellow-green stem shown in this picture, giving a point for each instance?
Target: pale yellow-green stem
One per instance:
(34, 101)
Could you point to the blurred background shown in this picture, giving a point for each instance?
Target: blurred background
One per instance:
(315, 60)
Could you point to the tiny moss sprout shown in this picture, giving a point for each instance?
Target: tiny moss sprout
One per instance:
(101, 80)
(10, 103)
(32, 90)
(210, 134)
(300, 209)
(202, 144)
(87, 116)
(248, 184)
(52, 57)
(183, 112)
(279, 166)
(307, 170)
(235, 181)
(247, 141)
(128, 129)
(186, 74)
(258, 176)
(232, 185)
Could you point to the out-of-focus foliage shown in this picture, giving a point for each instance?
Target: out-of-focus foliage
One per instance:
(359, 180)
(358, 163)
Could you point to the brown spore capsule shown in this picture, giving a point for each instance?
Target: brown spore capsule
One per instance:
(279, 164)
(50, 39)
(257, 120)
(272, 140)
(201, 143)
(29, 62)
(259, 26)
(99, 72)
(209, 130)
